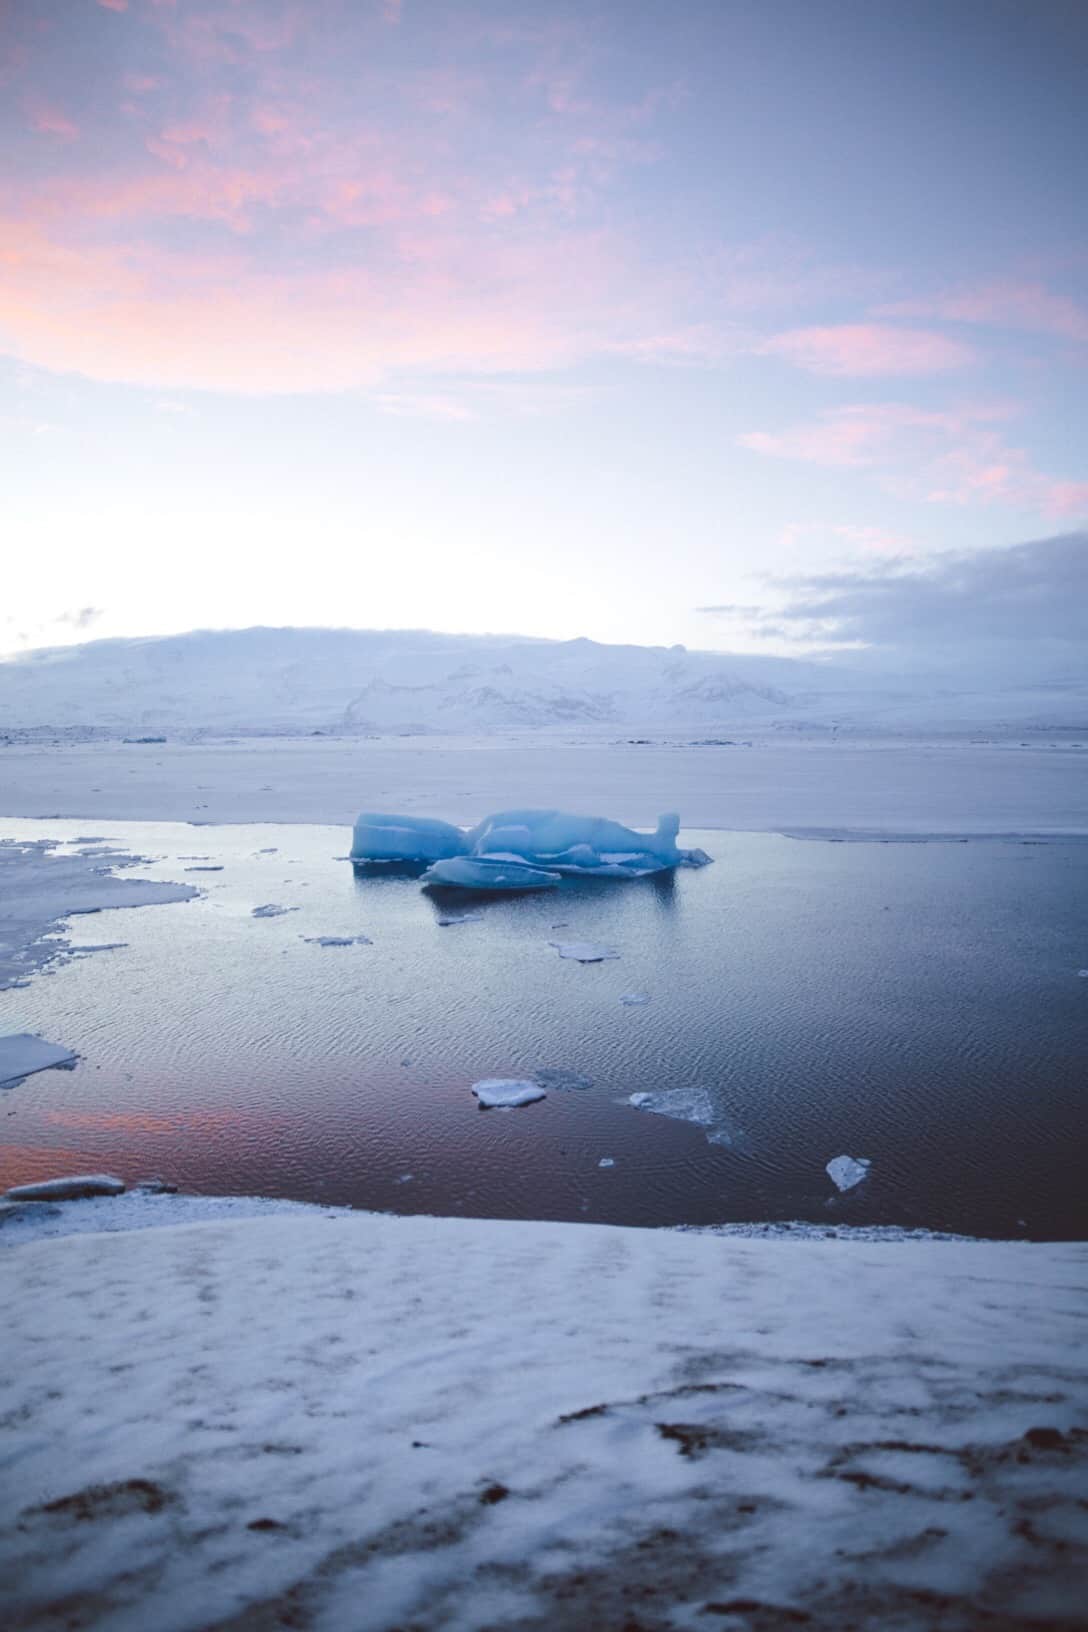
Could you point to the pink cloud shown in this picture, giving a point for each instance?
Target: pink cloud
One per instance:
(863, 349)
(50, 121)
(1027, 306)
(954, 456)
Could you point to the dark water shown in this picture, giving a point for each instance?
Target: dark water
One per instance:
(917, 1004)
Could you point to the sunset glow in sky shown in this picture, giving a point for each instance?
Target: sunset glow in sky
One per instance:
(523, 315)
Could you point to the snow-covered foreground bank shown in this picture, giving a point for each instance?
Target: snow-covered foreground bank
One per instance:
(884, 786)
(330, 1421)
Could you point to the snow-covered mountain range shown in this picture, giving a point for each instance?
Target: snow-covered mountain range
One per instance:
(375, 681)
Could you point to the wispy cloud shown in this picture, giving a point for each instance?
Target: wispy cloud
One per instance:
(1027, 306)
(953, 456)
(858, 350)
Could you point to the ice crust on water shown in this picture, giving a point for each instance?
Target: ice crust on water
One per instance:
(506, 1093)
(694, 1105)
(271, 909)
(533, 846)
(338, 940)
(847, 1171)
(21, 1054)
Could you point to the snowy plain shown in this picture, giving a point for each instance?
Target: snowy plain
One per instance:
(362, 1421)
(1034, 784)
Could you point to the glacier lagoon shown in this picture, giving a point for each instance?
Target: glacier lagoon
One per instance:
(914, 1004)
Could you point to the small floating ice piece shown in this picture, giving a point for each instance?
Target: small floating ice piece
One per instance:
(459, 918)
(584, 951)
(272, 909)
(633, 1000)
(489, 873)
(506, 1093)
(1083, 973)
(68, 1189)
(847, 1171)
(217, 868)
(338, 940)
(607, 1161)
(641, 1102)
(21, 1054)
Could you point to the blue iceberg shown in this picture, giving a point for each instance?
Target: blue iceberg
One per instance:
(521, 849)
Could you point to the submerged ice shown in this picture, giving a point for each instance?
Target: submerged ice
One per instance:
(521, 849)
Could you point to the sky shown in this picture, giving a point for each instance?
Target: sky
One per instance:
(626, 319)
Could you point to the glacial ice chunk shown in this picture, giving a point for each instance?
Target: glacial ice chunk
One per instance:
(489, 873)
(506, 1093)
(584, 951)
(555, 841)
(405, 838)
(847, 1171)
(579, 844)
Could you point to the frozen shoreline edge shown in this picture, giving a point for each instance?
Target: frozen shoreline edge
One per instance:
(140, 1210)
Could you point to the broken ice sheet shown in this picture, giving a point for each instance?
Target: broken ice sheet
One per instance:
(584, 951)
(506, 1093)
(272, 909)
(21, 1054)
(847, 1171)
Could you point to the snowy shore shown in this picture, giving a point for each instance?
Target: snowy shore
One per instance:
(327, 1420)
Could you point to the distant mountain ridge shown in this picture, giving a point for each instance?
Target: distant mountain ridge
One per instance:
(360, 682)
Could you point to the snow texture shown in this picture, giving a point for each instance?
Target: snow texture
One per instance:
(507, 1093)
(21, 1054)
(845, 1172)
(347, 1421)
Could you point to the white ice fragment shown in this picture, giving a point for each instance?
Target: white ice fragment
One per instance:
(641, 1102)
(216, 869)
(584, 951)
(847, 1171)
(459, 918)
(506, 1093)
(633, 1000)
(21, 1054)
(607, 1161)
(272, 909)
(68, 1189)
(1083, 973)
(489, 873)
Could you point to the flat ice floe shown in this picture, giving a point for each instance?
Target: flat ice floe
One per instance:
(694, 1105)
(507, 1093)
(845, 1172)
(21, 1054)
(40, 886)
(271, 909)
(584, 951)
